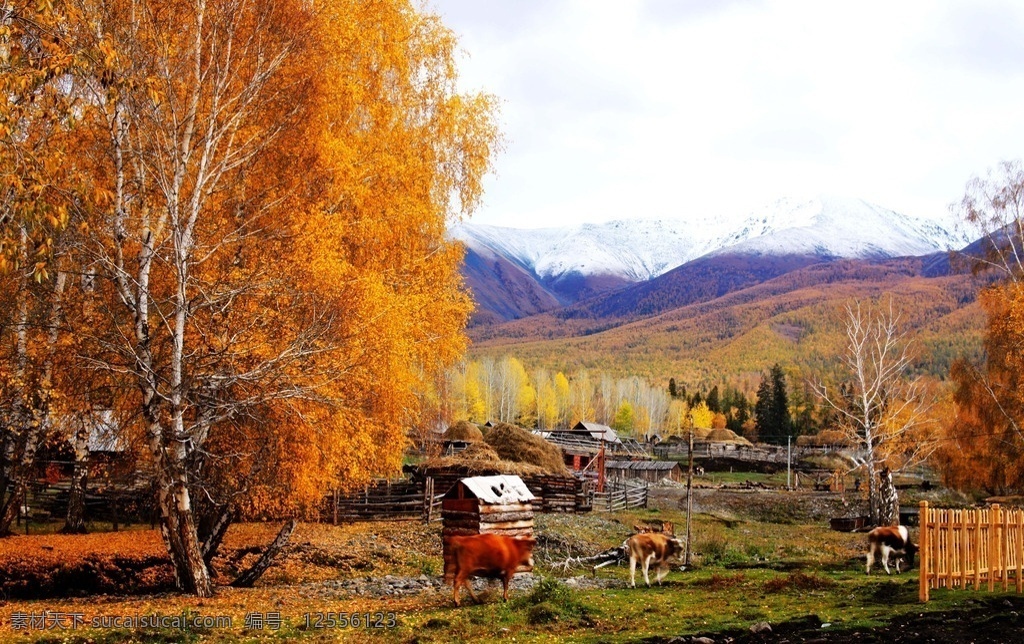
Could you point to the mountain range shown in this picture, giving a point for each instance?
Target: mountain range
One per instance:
(637, 268)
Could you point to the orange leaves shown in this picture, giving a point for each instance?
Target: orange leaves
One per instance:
(983, 448)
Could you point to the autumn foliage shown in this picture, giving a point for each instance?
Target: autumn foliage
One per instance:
(984, 441)
(983, 448)
(261, 192)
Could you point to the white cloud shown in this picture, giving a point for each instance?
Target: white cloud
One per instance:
(619, 109)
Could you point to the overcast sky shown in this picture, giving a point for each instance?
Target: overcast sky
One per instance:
(620, 109)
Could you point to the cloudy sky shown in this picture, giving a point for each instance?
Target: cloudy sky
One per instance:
(619, 109)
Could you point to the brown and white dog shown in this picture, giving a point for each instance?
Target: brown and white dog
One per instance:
(885, 542)
(651, 546)
(488, 555)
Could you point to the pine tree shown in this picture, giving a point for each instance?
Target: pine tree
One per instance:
(771, 412)
(713, 400)
(780, 419)
(762, 408)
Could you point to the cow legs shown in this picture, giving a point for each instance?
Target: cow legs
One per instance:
(885, 559)
(647, 566)
(632, 571)
(460, 581)
(505, 582)
(871, 560)
(662, 572)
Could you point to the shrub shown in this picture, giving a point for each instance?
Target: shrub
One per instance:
(542, 613)
(551, 600)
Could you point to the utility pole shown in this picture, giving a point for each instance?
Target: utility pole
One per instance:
(789, 460)
(689, 500)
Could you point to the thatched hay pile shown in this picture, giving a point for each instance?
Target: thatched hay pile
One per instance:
(480, 459)
(700, 433)
(725, 436)
(463, 431)
(479, 452)
(519, 445)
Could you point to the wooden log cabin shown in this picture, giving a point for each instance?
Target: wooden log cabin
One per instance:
(486, 504)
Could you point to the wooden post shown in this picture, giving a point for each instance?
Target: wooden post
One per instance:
(1004, 555)
(964, 545)
(922, 585)
(977, 549)
(993, 545)
(1019, 525)
(689, 500)
(944, 541)
(428, 498)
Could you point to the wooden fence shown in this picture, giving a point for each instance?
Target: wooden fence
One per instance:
(972, 546)
(388, 500)
(621, 495)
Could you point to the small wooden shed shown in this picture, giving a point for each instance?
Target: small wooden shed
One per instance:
(650, 471)
(486, 504)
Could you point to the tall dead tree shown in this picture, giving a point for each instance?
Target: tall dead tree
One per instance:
(883, 412)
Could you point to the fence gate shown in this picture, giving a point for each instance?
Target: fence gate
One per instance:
(972, 546)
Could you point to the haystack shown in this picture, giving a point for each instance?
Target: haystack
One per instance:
(480, 459)
(700, 433)
(725, 436)
(516, 444)
(463, 431)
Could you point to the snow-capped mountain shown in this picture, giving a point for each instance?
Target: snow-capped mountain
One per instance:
(637, 250)
(831, 227)
(634, 250)
(638, 266)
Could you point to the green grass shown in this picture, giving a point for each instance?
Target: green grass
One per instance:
(742, 571)
(708, 600)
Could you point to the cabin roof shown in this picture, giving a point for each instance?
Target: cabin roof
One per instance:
(573, 442)
(501, 489)
(642, 465)
(598, 431)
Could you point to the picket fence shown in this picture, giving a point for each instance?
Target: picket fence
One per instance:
(983, 547)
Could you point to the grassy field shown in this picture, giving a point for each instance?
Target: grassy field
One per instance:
(745, 570)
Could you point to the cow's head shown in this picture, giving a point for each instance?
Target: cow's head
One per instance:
(525, 545)
(910, 550)
(673, 548)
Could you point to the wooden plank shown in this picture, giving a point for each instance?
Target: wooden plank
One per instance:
(509, 507)
(964, 548)
(922, 587)
(1004, 559)
(977, 549)
(993, 546)
(507, 525)
(1019, 531)
(491, 518)
(460, 505)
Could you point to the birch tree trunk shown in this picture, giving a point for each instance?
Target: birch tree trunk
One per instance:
(74, 522)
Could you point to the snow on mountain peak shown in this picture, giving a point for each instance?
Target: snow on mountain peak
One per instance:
(637, 250)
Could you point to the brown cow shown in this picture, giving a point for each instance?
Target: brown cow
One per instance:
(488, 555)
(885, 541)
(649, 546)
